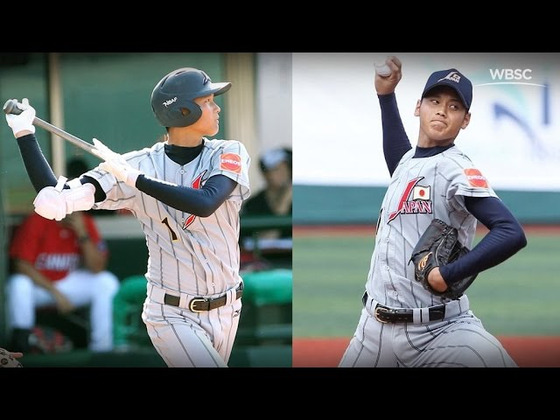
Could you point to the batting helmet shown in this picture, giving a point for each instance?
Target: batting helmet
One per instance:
(172, 97)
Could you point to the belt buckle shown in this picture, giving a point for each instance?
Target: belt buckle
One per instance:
(193, 301)
(376, 314)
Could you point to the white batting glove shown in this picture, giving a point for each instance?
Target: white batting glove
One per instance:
(115, 164)
(50, 204)
(23, 121)
(122, 171)
(81, 198)
(104, 152)
(54, 203)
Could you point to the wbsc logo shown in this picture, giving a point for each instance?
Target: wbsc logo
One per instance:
(503, 109)
(511, 74)
(506, 76)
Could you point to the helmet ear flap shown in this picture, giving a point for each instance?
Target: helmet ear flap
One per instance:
(190, 113)
(175, 112)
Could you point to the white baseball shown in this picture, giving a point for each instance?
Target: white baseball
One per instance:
(382, 69)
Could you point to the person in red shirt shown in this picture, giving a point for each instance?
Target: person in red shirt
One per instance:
(61, 263)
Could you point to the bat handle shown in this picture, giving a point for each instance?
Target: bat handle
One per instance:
(12, 107)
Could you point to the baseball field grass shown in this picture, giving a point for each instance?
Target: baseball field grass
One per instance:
(518, 298)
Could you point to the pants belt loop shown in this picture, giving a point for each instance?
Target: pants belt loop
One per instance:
(372, 304)
(365, 299)
(155, 293)
(184, 301)
(231, 295)
(420, 315)
(456, 307)
(369, 303)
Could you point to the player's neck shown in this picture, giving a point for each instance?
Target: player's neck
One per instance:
(184, 138)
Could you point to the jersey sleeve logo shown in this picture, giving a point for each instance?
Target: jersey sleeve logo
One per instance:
(230, 162)
(475, 178)
(197, 185)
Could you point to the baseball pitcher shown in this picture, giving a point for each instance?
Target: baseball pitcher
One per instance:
(415, 311)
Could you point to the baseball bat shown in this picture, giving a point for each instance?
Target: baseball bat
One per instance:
(11, 107)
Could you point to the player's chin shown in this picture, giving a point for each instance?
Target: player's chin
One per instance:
(440, 134)
(213, 131)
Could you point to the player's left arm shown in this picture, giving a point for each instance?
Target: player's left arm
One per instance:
(200, 202)
(504, 239)
(230, 170)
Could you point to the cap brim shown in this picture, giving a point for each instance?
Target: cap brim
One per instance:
(452, 86)
(219, 88)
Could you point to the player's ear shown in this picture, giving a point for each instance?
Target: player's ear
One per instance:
(417, 108)
(466, 120)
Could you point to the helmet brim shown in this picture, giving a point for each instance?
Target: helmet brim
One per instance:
(215, 88)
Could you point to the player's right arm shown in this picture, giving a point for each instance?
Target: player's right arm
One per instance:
(38, 169)
(395, 140)
(55, 199)
(51, 203)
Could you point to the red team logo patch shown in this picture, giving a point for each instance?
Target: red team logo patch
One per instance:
(196, 184)
(476, 179)
(230, 162)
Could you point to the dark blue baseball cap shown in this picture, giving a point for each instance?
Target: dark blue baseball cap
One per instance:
(454, 79)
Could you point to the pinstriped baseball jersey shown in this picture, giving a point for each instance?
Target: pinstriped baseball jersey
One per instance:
(187, 253)
(402, 324)
(421, 189)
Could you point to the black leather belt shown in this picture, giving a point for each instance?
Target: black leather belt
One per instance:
(386, 315)
(201, 304)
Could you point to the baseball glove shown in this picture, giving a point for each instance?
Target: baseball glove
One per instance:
(438, 246)
(7, 360)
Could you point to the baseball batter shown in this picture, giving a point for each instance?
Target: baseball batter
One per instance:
(403, 324)
(186, 192)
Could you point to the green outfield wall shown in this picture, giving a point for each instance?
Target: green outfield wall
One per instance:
(319, 204)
